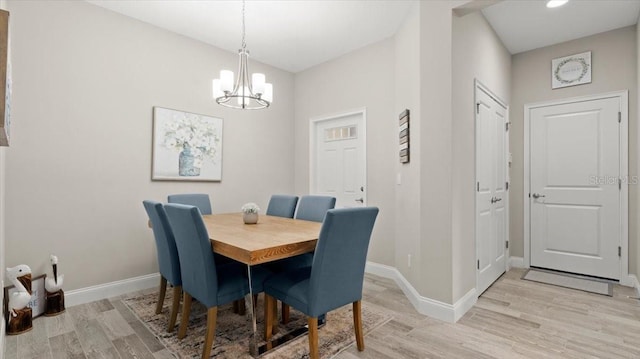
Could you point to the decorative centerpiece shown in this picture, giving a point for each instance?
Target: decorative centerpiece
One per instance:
(54, 292)
(250, 213)
(19, 314)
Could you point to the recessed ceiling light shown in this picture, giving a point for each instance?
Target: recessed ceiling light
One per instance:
(556, 3)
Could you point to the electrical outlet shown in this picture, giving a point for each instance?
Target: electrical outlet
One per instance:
(409, 260)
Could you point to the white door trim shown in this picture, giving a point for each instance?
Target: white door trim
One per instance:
(624, 174)
(312, 142)
(478, 85)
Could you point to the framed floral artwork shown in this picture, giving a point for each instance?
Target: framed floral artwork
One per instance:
(186, 146)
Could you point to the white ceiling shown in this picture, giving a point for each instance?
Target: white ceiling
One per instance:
(297, 34)
(291, 35)
(527, 25)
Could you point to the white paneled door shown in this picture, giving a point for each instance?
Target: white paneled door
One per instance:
(339, 159)
(575, 187)
(492, 149)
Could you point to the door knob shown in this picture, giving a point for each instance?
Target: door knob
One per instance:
(536, 195)
(361, 200)
(495, 199)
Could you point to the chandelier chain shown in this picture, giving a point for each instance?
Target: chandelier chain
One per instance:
(244, 44)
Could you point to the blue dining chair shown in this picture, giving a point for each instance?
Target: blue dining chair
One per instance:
(313, 208)
(282, 205)
(167, 258)
(200, 200)
(310, 208)
(210, 284)
(335, 277)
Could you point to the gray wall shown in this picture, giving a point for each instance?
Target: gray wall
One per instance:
(3, 151)
(361, 79)
(479, 54)
(614, 68)
(85, 82)
(407, 201)
(636, 218)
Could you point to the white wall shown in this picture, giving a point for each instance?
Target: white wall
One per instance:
(614, 68)
(360, 79)
(479, 54)
(85, 82)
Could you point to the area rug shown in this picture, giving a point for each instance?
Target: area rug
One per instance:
(233, 330)
(571, 281)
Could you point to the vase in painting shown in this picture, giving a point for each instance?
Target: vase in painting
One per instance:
(187, 163)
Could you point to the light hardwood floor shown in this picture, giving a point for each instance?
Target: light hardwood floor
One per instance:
(512, 319)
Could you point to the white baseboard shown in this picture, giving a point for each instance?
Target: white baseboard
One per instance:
(108, 290)
(632, 281)
(516, 262)
(427, 306)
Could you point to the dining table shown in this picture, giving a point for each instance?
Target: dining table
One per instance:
(272, 238)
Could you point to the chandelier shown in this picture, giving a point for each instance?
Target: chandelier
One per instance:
(244, 94)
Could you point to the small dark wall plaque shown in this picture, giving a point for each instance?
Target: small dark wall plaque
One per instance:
(404, 136)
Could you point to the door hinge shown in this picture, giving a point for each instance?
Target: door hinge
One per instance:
(619, 251)
(506, 244)
(506, 185)
(478, 264)
(477, 186)
(478, 107)
(619, 184)
(619, 117)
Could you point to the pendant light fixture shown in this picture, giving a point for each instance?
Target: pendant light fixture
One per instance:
(244, 94)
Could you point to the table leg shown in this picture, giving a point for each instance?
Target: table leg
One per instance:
(253, 341)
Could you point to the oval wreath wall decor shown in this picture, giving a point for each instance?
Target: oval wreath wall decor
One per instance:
(571, 70)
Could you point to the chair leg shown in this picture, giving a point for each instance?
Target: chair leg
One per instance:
(268, 317)
(186, 310)
(255, 303)
(177, 293)
(242, 308)
(163, 291)
(285, 313)
(313, 338)
(357, 324)
(212, 315)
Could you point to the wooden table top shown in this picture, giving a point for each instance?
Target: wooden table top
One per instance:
(272, 238)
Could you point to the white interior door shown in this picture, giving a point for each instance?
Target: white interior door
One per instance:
(492, 151)
(574, 194)
(339, 159)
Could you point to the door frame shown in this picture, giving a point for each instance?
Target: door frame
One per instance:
(313, 125)
(624, 174)
(479, 86)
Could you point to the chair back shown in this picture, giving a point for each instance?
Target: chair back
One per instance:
(337, 272)
(165, 242)
(313, 208)
(199, 276)
(200, 200)
(282, 205)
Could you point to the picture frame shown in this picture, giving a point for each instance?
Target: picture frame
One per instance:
(38, 297)
(5, 80)
(571, 70)
(404, 136)
(186, 146)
